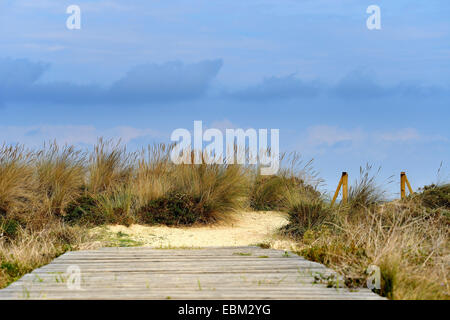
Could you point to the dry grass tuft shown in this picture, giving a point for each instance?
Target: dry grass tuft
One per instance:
(365, 192)
(408, 240)
(60, 177)
(16, 179)
(109, 165)
(275, 192)
(32, 249)
(408, 243)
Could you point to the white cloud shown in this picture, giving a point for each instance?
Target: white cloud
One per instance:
(402, 135)
(329, 135)
(321, 139)
(42, 47)
(126, 134)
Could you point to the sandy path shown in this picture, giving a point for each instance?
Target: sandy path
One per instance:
(247, 228)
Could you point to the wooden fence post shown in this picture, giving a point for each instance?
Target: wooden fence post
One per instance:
(409, 185)
(344, 184)
(344, 187)
(404, 182)
(403, 185)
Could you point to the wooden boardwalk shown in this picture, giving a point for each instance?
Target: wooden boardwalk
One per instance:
(209, 273)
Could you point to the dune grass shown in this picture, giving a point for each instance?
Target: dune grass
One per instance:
(50, 197)
(407, 239)
(294, 178)
(33, 248)
(50, 194)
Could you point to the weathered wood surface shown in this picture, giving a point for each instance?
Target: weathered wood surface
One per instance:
(209, 273)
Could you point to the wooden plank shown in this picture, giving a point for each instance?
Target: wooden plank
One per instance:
(213, 273)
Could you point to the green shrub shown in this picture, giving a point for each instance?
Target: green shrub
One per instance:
(218, 189)
(294, 177)
(434, 196)
(117, 205)
(12, 269)
(270, 192)
(173, 209)
(83, 211)
(9, 227)
(306, 215)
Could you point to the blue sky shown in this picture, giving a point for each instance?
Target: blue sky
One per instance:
(339, 93)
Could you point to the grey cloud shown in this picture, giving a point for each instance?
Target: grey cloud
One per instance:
(358, 85)
(148, 83)
(20, 72)
(168, 81)
(275, 88)
(362, 84)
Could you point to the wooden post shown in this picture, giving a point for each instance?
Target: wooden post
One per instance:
(409, 185)
(403, 185)
(337, 192)
(344, 187)
(344, 184)
(404, 182)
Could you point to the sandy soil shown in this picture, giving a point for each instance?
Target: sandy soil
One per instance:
(246, 228)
